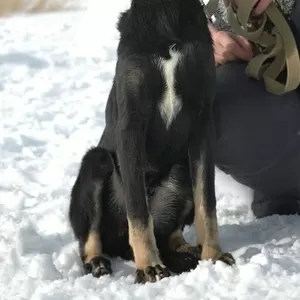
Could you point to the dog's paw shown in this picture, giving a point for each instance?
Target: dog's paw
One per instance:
(227, 258)
(98, 266)
(215, 254)
(180, 262)
(195, 250)
(151, 274)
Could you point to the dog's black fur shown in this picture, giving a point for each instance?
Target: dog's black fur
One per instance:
(143, 170)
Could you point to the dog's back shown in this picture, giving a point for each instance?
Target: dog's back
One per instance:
(165, 54)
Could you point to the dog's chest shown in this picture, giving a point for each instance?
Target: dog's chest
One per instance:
(170, 104)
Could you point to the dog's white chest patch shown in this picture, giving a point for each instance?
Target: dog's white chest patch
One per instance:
(170, 105)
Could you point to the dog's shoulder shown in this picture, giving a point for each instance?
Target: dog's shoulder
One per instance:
(130, 72)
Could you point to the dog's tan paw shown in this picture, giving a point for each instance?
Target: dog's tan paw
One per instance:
(151, 274)
(227, 258)
(215, 254)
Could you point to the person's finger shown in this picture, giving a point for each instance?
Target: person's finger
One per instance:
(224, 56)
(224, 59)
(226, 48)
(232, 46)
(240, 52)
(245, 44)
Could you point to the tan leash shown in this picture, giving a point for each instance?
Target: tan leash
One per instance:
(211, 7)
(274, 40)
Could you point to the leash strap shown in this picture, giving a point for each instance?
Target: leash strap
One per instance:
(274, 41)
(210, 7)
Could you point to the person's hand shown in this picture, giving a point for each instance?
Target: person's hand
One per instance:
(229, 47)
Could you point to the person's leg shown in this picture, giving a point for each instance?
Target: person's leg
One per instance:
(258, 140)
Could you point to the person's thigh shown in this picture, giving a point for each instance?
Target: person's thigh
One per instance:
(258, 133)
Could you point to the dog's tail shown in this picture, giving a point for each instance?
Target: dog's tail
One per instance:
(86, 195)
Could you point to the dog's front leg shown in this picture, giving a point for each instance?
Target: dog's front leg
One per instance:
(140, 223)
(135, 108)
(201, 155)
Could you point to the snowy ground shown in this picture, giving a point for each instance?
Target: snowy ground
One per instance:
(56, 71)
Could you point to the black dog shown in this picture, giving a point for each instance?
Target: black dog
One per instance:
(153, 170)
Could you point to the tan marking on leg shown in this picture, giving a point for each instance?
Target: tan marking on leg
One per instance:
(206, 226)
(198, 198)
(210, 247)
(199, 226)
(143, 243)
(92, 247)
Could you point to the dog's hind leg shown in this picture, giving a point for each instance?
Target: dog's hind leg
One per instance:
(178, 243)
(85, 209)
(172, 208)
(181, 256)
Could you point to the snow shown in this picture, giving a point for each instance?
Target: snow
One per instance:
(56, 71)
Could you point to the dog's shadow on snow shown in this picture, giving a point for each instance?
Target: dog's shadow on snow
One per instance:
(246, 240)
(271, 231)
(276, 237)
